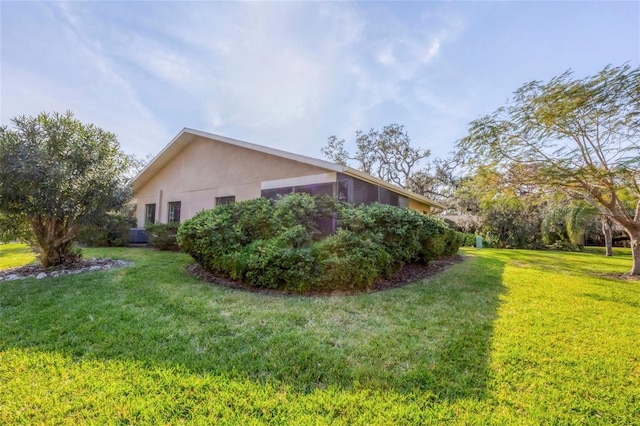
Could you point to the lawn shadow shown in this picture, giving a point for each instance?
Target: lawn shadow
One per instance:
(18, 249)
(432, 337)
(609, 299)
(462, 362)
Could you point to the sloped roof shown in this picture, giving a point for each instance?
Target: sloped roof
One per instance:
(186, 135)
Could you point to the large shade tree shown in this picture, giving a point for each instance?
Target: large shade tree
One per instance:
(57, 174)
(386, 154)
(580, 136)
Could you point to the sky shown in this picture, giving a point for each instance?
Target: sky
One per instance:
(290, 74)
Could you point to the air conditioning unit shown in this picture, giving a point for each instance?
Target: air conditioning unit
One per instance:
(138, 236)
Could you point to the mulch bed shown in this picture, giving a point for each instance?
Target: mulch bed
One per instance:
(409, 273)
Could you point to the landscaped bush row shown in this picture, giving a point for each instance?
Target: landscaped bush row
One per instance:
(281, 245)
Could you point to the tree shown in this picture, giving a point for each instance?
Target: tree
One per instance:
(507, 212)
(57, 174)
(14, 228)
(580, 136)
(569, 222)
(386, 154)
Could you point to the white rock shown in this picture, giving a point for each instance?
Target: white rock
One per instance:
(41, 275)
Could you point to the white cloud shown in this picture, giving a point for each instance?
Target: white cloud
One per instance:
(430, 51)
(82, 79)
(274, 73)
(385, 55)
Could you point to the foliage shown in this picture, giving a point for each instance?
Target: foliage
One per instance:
(307, 211)
(511, 223)
(468, 240)
(580, 136)
(398, 230)
(284, 262)
(505, 212)
(58, 174)
(564, 246)
(111, 231)
(386, 154)
(439, 180)
(279, 244)
(15, 227)
(347, 261)
(151, 344)
(567, 223)
(162, 236)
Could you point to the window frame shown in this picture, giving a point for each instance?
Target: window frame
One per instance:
(149, 218)
(171, 211)
(226, 200)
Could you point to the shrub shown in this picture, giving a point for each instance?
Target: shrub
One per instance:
(565, 246)
(398, 229)
(283, 244)
(111, 231)
(254, 219)
(348, 261)
(163, 235)
(284, 262)
(437, 239)
(407, 235)
(316, 214)
(467, 240)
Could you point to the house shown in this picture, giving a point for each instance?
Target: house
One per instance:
(199, 170)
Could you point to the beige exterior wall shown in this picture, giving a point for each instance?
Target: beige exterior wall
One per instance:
(421, 207)
(206, 169)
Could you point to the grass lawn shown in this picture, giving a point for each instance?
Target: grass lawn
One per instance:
(507, 337)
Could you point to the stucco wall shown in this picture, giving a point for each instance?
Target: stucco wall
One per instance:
(207, 169)
(421, 207)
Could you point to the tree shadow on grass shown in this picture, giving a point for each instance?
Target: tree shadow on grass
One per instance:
(434, 336)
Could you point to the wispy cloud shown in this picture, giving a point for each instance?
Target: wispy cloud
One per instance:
(285, 74)
(81, 78)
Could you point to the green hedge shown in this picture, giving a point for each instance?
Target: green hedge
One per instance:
(163, 235)
(111, 231)
(281, 245)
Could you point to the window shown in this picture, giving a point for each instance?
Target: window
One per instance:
(225, 201)
(388, 197)
(364, 192)
(316, 189)
(174, 211)
(277, 193)
(149, 213)
(343, 190)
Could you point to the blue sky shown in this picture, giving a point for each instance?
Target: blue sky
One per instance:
(290, 74)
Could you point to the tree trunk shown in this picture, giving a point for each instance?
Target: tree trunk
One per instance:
(608, 235)
(54, 241)
(635, 252)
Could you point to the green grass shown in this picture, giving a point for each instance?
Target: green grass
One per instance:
(508, 337)
(12, 255)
